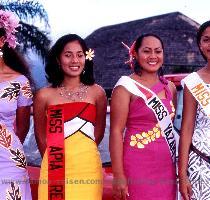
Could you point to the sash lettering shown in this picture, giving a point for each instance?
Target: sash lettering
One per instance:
(56, 160)
(55, 149)
(199, 90)
(56, 192)
(202, 94)
(170, 138)
(158, 108)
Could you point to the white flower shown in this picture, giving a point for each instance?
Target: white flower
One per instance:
(89, 54)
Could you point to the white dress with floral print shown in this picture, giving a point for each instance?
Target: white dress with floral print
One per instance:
(199, 169)
(14, 182)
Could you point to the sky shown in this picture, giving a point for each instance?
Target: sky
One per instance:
(84, 16)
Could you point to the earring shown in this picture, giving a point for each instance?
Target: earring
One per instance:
(83, 72)
(1, 53)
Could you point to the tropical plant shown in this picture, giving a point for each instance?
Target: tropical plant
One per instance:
(30, 37)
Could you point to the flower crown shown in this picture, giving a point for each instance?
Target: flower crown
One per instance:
(9, 22)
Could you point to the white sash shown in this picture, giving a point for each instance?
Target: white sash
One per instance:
(199, 90)
(156, 105)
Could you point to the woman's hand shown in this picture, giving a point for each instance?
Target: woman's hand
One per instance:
(120, 188)
(185, 188)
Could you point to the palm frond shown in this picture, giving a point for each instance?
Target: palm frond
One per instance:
(31, 38)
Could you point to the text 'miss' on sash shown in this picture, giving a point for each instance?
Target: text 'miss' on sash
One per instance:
(199, 90)
(55, 150)
(157, 106)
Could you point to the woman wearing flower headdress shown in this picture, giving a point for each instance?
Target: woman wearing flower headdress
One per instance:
(73, 109)
(15, 102)
(142, 105)
(194, 148)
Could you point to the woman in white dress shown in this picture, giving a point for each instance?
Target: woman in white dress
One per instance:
(194, 149)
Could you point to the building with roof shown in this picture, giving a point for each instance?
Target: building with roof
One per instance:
(177, 31)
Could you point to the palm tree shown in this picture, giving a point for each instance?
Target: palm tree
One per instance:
(29, 36)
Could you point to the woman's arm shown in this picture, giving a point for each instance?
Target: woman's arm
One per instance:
(173, 90)
(187, 128)
(22, 122)
(39, 109)
(101, 106)
(119, 111)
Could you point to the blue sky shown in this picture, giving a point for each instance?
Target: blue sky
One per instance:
(84, 16)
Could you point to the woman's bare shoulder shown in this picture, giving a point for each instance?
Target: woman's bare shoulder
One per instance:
(204, 74)
(97, 89)
(45, 92)
(171, 86)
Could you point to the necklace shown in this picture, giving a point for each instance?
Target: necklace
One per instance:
(74, 95)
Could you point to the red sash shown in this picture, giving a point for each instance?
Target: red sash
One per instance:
(55, 150)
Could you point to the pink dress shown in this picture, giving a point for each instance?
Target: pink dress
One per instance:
(147, 161)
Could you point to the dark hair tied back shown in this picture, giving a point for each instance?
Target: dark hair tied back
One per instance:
(138, 43)
(201, 29)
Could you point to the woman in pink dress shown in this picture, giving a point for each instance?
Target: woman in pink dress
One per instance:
(143, 161)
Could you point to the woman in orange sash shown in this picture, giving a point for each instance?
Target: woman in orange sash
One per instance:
(194, 147)
(75, 121)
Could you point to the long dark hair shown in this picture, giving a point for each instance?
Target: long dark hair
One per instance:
(55, 75)
(138, 43)
(13, 59)
(201, 29)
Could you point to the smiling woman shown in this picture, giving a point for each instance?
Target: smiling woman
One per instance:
(72, 59)
(194, 148)
(142, 105)
(75, 121)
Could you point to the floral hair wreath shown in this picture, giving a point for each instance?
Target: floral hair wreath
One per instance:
(89, 54)
(131, 52)
(9, 22)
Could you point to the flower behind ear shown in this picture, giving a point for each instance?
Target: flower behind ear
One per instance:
(89, 54)
(131, 52)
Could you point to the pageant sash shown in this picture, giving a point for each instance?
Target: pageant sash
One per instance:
(55, 150)
(199, 90)
(157, 106)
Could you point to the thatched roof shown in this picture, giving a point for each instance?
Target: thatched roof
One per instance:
(177, 31)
